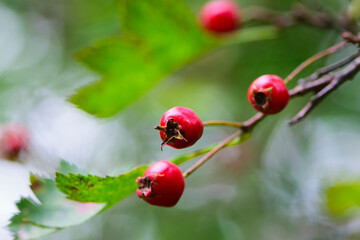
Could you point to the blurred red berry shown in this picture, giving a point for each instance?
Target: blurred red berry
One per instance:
(162, 184)
(220, 16)
(268, 94)
(180, 127)
(14, 138)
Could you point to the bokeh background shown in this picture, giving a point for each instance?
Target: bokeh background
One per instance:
(271, 187)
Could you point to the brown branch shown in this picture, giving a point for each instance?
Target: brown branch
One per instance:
(299, 14)
(211, 153)
(253, 121)
(310, 86)
(245, 127)
(316, 57)
(321, 72)
(349, 37)
(339, 78)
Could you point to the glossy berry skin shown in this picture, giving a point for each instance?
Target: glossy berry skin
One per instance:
(220, 16)
(14, 138)
(162, 184)
(180, 127)
(268, 94)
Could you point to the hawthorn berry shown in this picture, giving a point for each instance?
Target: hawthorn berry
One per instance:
(14, 138)
(180, 127)
(162, 184)
(220, 16)
(268, 94)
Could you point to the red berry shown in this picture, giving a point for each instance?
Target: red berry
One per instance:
(268, 94)
(162, 184)
(220, 16)
(180, 127)
(14, 138)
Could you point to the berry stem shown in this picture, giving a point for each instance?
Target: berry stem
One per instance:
(223, 123)
(205, 158)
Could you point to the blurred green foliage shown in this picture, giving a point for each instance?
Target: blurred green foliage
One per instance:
(343, 197)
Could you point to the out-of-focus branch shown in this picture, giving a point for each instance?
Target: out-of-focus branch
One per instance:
(299, 14)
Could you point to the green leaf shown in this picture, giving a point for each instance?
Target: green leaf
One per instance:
(23, 229)
(53, 213)
(252, 34)
(91, 188)
(343, 197)
(111, 190)
(158, 37)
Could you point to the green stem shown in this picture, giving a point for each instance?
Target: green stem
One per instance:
(223, 123)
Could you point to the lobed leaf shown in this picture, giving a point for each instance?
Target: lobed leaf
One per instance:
(109, 190)
(53, 211)
(155, 41)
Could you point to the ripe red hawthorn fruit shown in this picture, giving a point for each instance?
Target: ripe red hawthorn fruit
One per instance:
(220, 16)
(162, 184)
(14, 138)
(180, 127)
(268, 94)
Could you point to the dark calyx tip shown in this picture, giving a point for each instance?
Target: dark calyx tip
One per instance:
(260, 99)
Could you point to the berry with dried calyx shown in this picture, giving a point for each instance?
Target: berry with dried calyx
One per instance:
(180, 127)
(268, 94)
(162, 184)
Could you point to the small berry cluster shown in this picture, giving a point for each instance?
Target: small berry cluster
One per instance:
(163, 182)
